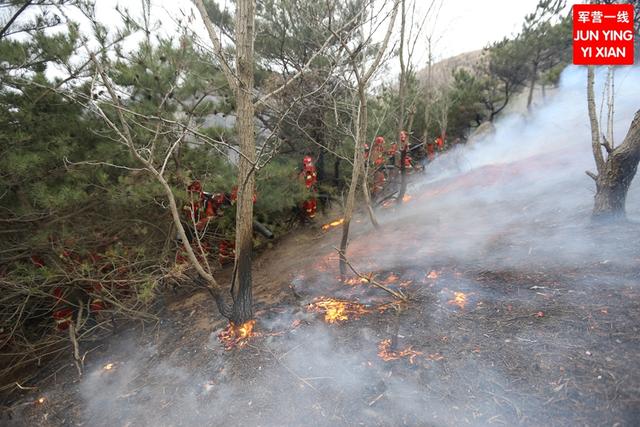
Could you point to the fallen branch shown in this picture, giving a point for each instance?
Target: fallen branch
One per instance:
(369, 279)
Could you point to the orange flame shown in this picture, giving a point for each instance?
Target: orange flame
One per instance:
(406, 198)
(234, 335)
(432, 275)
(459, 299)
(40, 400)
(336, 310)
(333, 224)
(386, 354)
(356, 281)
(108, 367)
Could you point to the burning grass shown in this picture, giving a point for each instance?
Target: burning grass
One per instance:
(387, 354)
(459, 299)
(336, 310)
(354, 281)
(333, 224)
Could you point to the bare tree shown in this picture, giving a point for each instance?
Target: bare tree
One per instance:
(615, 169)
(406, 52)
(363, 77)
(442, 105)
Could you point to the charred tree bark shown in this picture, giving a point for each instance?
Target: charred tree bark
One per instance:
(613, 181)
(241, 289)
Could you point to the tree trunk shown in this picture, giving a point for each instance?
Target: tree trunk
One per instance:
(367, 200)
(613, 181)
(401, 96)
(403, 175)
(336, 172)
(241, 289)
(361, 136)
(320, 163)
(534, 78)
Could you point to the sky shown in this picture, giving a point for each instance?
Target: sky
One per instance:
(466, 25)
(461, 26)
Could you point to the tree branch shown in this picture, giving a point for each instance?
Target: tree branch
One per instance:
(229, 73)
(593, 119)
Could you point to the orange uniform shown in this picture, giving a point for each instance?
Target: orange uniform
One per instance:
(310, 176)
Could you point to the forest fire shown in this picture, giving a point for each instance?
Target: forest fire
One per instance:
(336, 310)
(333, 224)
(387, 354)
(459, 299)
(233, 335)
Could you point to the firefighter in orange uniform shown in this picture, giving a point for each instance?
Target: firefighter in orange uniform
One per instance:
(431, 151)
(378, 151)
(404, 147)
(404, 140)
(310, 175)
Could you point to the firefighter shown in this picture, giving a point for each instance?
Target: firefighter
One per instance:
(404, 140)
(405, 157)
(66, 304)
(62, 311)
(310, 176)
(440, 142)
(431, 151)
(391, 153)
(378, 151)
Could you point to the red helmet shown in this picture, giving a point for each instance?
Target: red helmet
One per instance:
(379, 140)
(307, 160)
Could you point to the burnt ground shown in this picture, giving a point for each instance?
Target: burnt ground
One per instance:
(541, 345)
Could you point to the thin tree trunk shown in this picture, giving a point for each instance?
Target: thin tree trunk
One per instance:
(401, 95)
(242, 310)
(593, 120)
(361, 136)
(534, 79)
(367, 200)
(357, 166)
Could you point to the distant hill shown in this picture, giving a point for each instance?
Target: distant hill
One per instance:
(442, 71)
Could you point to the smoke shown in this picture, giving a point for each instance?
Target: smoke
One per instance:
(515, 202)
(519, 196)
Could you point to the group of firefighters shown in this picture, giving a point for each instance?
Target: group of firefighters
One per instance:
(203, 207)
(90, 296)
(392, 157)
